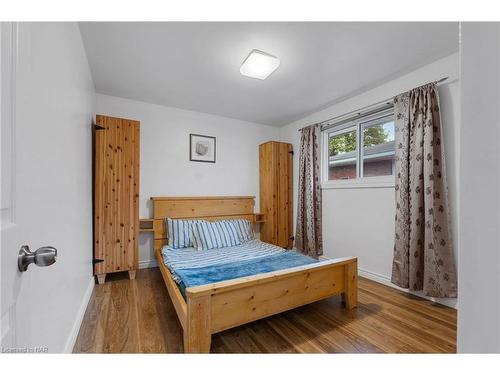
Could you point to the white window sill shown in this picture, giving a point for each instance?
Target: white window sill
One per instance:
(360, 183)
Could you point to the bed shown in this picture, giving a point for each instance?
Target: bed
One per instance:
(207, 303)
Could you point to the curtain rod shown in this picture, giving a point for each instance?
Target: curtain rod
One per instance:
(369, 108)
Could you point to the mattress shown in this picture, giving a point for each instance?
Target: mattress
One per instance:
(191, 267)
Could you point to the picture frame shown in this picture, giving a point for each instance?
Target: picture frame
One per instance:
(202, 148)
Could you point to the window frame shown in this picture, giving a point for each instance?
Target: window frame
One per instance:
(358, 124)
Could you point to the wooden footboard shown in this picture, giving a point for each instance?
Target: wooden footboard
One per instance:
(219, 306)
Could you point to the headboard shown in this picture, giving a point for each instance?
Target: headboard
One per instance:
(206, 208)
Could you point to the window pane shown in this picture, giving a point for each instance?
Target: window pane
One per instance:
(342, 151)
(378, 149)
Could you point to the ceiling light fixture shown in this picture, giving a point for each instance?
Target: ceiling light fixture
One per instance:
(259, 64)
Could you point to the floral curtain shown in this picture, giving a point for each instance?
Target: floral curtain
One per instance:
(423, 252)
(308, 238)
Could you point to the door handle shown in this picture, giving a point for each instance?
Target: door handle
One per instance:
(43, 257)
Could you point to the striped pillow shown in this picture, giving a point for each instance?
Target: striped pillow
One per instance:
(179, 233)
(215, 235)
(244, 228)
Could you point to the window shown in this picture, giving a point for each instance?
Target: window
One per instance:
(378, 147)
(360, 150)
(342, 155)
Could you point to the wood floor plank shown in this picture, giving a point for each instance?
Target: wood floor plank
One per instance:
(302, 340)
(91, 336)
(418, 326)
(170, 327)
(149, 324)
(362, 325)
(121, 332)
(328, 338)
(268, 339)
(332, 330)
(409, 302)
(241, 339)
(218, 347)
(137, 316)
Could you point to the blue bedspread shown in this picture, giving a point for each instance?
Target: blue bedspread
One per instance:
(220, 272)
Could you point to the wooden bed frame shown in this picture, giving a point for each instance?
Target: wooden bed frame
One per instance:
(212, 308)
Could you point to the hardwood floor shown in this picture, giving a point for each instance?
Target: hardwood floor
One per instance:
(136, 316)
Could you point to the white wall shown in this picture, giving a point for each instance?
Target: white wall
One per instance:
(360, 221)
(165, 166)
(54, 105)
(479, 272)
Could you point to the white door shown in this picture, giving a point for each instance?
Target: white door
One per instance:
(20, 291)
(39, 182)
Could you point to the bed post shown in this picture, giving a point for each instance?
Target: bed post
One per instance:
(351, 285)
(197, 333)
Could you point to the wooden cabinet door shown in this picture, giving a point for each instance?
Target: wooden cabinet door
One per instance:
(284, 195)
(116, 201)
(275, 163)
(268, 191)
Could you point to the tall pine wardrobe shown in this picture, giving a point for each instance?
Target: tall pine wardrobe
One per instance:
(275, 168)
(116, 196)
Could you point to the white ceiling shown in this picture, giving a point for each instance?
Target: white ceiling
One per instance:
(196, 66)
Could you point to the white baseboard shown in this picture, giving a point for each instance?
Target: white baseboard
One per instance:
(70, 342)
(150, 263)
(385, 280)
(382, 279)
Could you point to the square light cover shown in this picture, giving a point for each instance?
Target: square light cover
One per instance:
(259, 64)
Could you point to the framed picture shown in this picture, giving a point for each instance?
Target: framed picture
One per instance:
(202, 148)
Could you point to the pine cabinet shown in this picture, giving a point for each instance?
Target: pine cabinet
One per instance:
(275, 168)
(116, 196)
